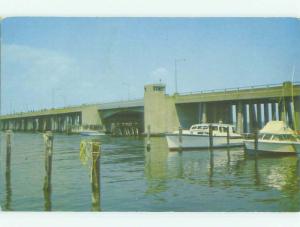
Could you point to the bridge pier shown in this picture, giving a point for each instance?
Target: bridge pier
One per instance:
(259, 113)
(297, 112)
(252, 117)
(273, 111)
(289, 113)
(240, 117)
(245, 118)
(203, 112)
(266, 113)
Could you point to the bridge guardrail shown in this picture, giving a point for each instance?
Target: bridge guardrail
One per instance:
(236, 89)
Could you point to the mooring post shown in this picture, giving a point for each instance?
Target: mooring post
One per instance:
(96, 176)
(255, 140)
(48, 140)
(148, 137)
(7, 171)
(210, 134)
(180, 137)
(228, 136)
(8, 150)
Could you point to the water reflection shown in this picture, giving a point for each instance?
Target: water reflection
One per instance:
(156, 165)
(211, 168)
(133, 179)
(223, 168)
(256, 172)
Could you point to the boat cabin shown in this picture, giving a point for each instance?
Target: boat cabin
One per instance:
(201, 129)
(278, 131)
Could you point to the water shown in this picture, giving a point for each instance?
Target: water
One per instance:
(133, 179)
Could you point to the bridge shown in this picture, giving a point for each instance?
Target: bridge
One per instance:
(247, 107)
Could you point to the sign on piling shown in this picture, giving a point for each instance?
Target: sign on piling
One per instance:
(90, 152)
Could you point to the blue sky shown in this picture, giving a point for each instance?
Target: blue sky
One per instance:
(69, 61)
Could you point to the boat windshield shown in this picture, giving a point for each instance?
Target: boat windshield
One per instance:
(215, 128)
(280, 137)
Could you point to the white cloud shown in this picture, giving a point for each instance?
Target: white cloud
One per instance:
(31, 75)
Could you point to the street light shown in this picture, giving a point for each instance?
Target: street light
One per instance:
(177, 60)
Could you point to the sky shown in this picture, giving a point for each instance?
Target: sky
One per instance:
(54, 62)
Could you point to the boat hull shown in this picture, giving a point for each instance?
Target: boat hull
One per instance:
(200, 141)
(92, 133)
(275, 147)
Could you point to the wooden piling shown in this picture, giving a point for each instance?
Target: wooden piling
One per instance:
(210, 134)
(255, 140)
(228, 136)
(7, 171)
(48, 140)
(180, 137)
(8, 149)
(95, 176)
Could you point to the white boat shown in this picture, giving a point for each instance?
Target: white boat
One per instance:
(198, 137)
(91, 133)
(277, 138)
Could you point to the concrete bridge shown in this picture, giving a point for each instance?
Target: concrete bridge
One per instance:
(247, 107)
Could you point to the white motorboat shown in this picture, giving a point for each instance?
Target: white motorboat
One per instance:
(198, 136)
(275, 137)
(91, 133)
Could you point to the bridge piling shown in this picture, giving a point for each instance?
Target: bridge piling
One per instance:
(48, 141)
(96, 152)
(259, 113)
(240, 117)
(266, 113)
(273, 109)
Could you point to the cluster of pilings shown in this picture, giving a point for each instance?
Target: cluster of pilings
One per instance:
(125, 129)
(56, 123)
(250, 114)
(47, 186)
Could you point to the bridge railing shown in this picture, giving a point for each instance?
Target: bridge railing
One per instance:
(236, 89)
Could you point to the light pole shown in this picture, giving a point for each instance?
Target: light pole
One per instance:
(177, 60)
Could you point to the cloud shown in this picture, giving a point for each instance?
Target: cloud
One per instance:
(33, 77)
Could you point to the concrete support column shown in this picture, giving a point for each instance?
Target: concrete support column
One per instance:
(289, 112)
(281, 111)
(204, 113)
(273, 109)
(230, 113)
(239, 117)
(297, 113)
(266, 113)
(252, 117)
(259, 123)
(245, 121)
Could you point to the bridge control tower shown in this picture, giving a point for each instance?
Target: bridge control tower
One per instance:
(159, 109)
